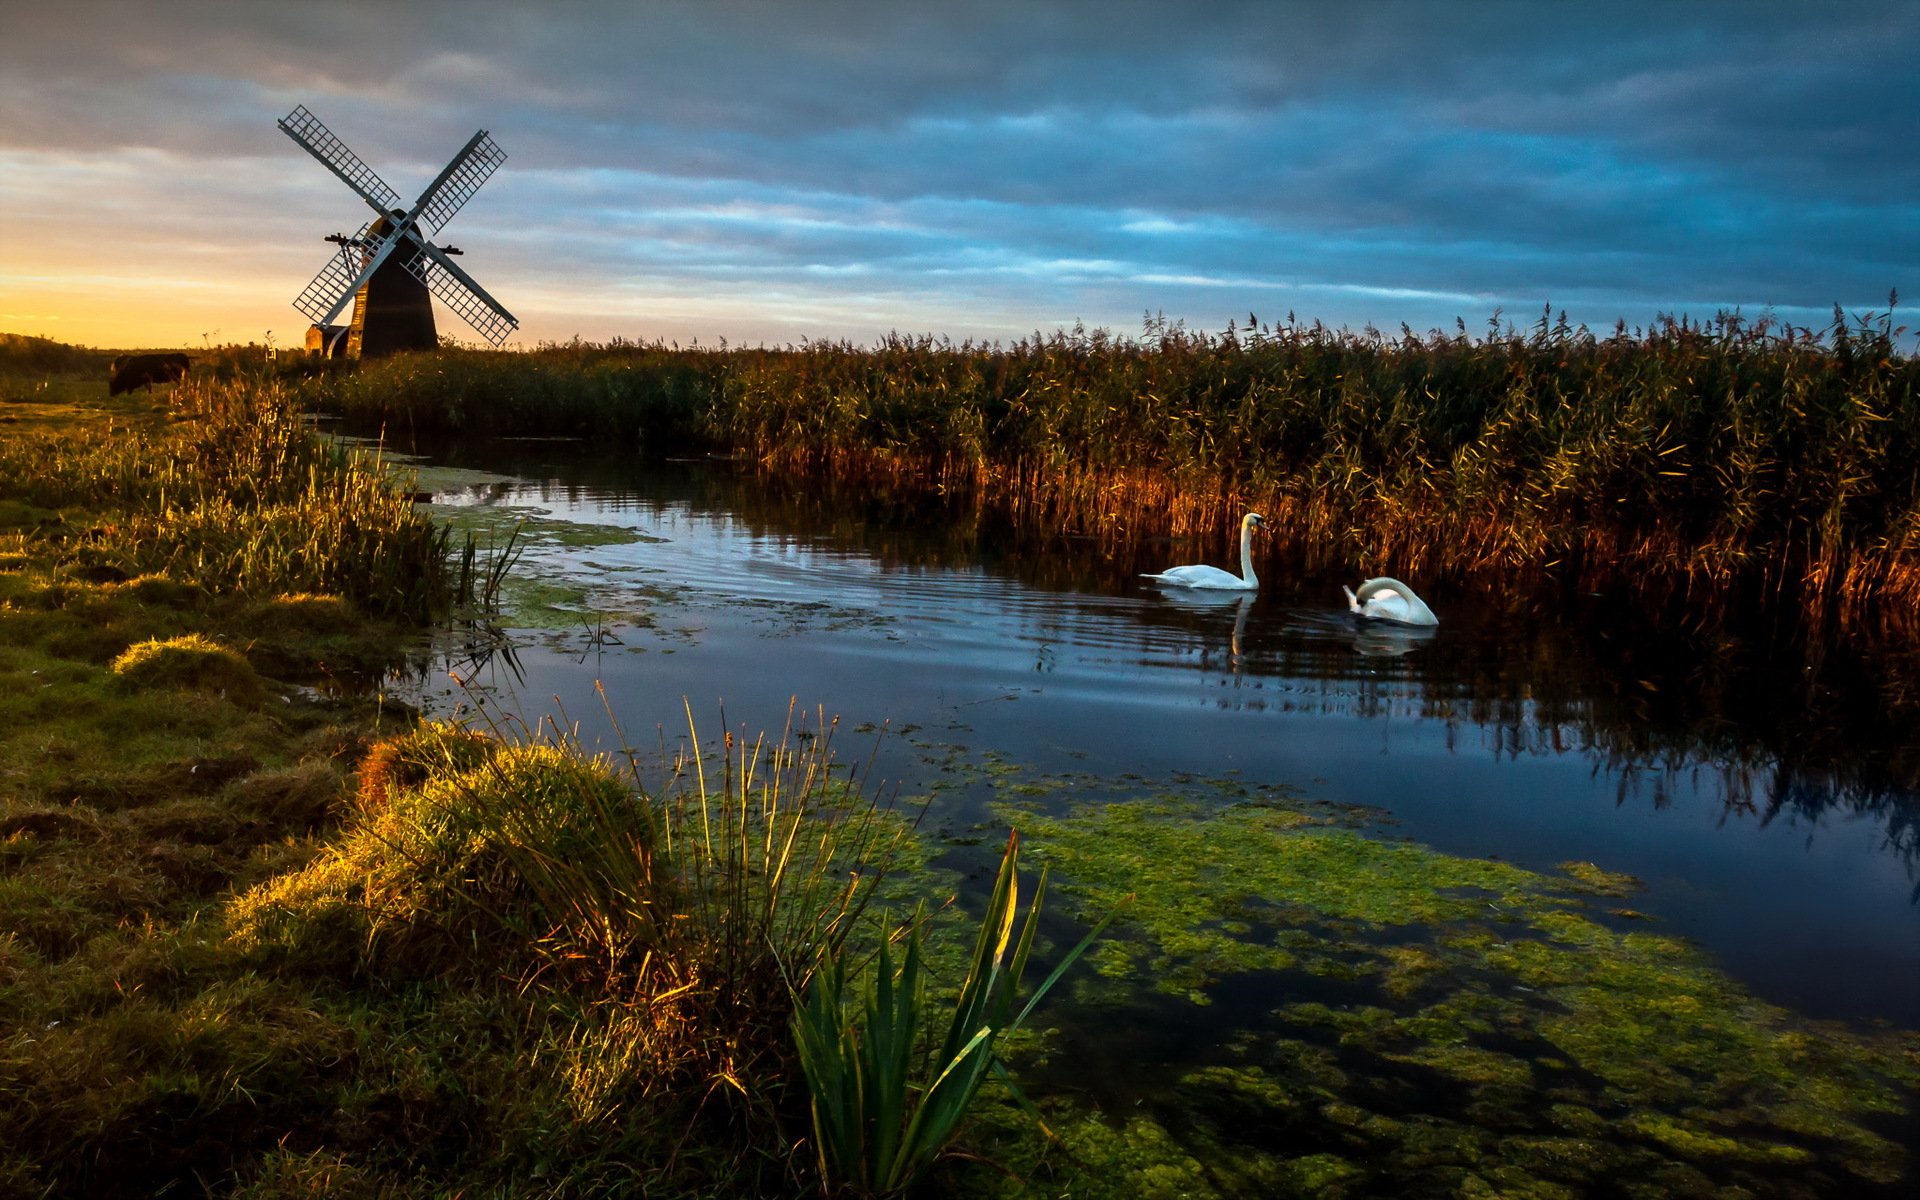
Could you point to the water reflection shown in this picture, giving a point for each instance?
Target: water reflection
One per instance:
(1389, 641)
(1765, 794)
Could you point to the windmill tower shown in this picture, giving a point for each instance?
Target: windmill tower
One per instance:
(389, 269)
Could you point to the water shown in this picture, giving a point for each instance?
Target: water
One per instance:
(1765, 801)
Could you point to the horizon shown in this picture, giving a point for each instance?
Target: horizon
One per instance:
(709, 172)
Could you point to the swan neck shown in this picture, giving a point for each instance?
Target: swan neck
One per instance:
(1246, 555)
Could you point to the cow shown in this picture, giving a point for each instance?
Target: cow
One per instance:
(130, 371)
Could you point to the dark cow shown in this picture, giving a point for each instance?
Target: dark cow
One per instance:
(130, 371)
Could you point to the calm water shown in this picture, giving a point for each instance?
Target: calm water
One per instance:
(1766, 803)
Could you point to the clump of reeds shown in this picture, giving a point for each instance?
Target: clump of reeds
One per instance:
(666, 927)
(684, 948)
(238, 494)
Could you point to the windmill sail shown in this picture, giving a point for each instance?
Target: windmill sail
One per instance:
(322, 299)
(316, 139)
(455, 185)
(457, 290)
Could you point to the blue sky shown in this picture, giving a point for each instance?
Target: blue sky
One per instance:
(773, 172)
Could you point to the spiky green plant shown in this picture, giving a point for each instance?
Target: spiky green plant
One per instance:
(885, 1105)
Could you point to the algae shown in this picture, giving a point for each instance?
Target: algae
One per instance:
(1438, 1025)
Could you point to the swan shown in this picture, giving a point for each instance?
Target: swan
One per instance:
(1203, 576)
(1385, 599)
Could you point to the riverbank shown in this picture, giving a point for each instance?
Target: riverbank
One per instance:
(264, 934)
(195, 597)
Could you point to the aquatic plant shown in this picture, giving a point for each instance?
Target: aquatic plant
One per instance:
(1441, 1023)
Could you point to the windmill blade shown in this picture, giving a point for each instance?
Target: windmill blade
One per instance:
(316, 139)
(459, 180)
(323, 298)
(345, 273)
(457, 290)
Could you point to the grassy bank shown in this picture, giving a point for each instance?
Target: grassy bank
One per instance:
(263, 935)
(185, 581)
(1710, 461)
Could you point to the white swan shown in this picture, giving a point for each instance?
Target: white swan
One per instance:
(1213, 577)
(1385, 599)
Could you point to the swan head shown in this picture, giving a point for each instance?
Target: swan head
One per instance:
(1254, 521)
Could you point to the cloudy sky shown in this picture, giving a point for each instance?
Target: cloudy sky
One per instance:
(768, 172)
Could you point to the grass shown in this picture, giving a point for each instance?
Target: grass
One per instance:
(156, 755)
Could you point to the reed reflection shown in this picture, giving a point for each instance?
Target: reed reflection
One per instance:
(1765, 720)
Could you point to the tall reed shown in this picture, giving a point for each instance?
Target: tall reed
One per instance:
(1707, 458)
(236, 492)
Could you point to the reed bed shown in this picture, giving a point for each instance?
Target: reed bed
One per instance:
(1708, 459)
(628, 391)
(236, 492)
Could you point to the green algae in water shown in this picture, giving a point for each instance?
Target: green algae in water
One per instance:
(1490, 1036)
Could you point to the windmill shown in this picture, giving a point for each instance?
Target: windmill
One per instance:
(389, 269)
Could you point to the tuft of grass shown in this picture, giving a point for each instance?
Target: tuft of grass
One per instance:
(657, 936)
(190, 662)
(409, 759)
(302, 613)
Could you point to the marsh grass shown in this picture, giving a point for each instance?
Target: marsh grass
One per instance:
(137, 1056)
(633, 392)
(234, 492)
(1713, 460)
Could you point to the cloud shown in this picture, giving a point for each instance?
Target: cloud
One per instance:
(996, 165)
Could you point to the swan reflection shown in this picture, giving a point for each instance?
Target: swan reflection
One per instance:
(1202, 601)
(1378, 640)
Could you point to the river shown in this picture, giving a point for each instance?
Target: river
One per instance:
(1532, 733)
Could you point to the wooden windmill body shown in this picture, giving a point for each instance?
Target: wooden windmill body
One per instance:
(392, 310)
